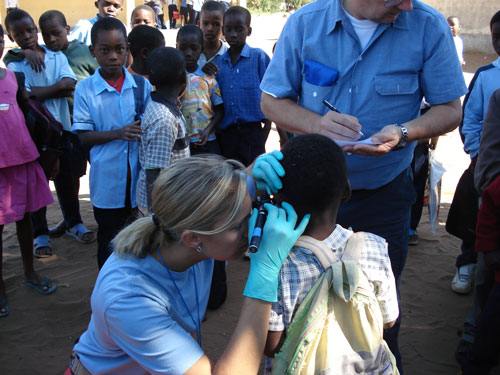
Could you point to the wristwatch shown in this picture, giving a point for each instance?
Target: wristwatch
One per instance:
(404, 137)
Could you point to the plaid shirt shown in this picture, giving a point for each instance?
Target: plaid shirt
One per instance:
(302, 269)
(163, 140)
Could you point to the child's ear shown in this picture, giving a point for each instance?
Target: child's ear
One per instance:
(144, 53)
(347, 192)
(10, 37)
(96, 4)
(91, 49)
(67, 29)
(249, 31)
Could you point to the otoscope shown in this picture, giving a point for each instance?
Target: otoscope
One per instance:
(259, 224)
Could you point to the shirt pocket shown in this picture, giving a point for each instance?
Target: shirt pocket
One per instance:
(397, 84)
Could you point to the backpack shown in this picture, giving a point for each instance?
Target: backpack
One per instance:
(139, 99)
(45, 130)
(338, 327)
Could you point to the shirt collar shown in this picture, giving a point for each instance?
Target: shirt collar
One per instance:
(162, 99)
(100, 83)
(197, 72)
(338, 14)
(338, 237)
(245, 52)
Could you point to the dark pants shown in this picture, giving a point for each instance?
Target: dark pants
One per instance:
(171, 18)
(243, 142)
(420, 168)
(110, 222)
(462, 216)
(72, 165)
(386, 212)
(486, 348)
(211, 147)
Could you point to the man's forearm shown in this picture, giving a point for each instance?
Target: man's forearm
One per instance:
(438, 120)
(288, 115)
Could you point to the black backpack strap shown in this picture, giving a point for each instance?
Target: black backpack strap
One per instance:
(21, 80)
(139, 98)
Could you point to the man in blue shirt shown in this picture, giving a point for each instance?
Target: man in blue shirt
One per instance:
(373, 60)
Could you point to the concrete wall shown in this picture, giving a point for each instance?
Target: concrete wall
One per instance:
(72, 9)
(474, 18)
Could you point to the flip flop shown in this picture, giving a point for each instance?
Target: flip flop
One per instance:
(3, 305)
(78, 231)
(58, 230)
(39, 244)
(39, 287)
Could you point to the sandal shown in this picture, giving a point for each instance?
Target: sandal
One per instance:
(42, 247)
(44, 287)
(58, 230)
(79, 231)
(4, 308)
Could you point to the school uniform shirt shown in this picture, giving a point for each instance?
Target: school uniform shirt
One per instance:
(201, 95)
(99, 107)
(139, 322)
(82, 29)
(164, 139)
(377, 83)
(475, 109)
(56, 68)
(239, 84)
(202, 60)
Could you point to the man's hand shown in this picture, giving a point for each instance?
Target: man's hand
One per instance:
(131, 132)
(34, 59)
(387, 139)
(338, 126)
(210, 68)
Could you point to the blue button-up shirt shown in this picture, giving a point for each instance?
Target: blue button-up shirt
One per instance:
(487, 82)
(56, 68)
(239, 85)
(99, 107)
(381, 84)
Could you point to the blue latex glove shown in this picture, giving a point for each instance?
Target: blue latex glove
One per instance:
(267, 172)
(279, 235)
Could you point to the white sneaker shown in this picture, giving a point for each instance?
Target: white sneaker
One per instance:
(464, 278)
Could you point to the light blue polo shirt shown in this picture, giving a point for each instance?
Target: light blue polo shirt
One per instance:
(82, 30)
(139, 323)
(56, 68)
(381, 84)
(99, 107)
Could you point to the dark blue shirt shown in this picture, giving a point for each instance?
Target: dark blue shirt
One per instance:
(239, 85)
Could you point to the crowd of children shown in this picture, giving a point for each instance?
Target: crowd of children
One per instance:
(131, 106)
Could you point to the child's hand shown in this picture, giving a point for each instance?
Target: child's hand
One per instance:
(131, 132)
(203, 137)
(34, 59)
(210, 68)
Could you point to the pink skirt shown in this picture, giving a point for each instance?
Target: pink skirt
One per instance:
(23, 188)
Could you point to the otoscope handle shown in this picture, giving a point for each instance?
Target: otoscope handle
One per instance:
(257, 231)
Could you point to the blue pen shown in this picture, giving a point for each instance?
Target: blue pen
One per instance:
(332, 108)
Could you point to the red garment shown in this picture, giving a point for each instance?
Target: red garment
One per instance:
(118, 84)
(488, 221)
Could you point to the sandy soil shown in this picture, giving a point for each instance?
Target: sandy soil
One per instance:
(38, 335)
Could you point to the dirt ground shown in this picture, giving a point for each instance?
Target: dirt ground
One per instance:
(38, 335)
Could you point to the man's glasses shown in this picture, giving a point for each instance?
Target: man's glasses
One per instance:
(391, 3)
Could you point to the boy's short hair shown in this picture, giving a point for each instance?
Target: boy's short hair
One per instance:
(52, 15)
(16, 15)
(211, 6)
(166, 67)
(143, 7)
(144, 36)
(494, 19)
(237, 10)
(190, 30)
(107, 24)
(315, 174)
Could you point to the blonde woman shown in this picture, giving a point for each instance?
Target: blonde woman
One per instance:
(151, 294)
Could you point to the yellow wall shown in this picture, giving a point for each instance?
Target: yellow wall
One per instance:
(72, 9)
